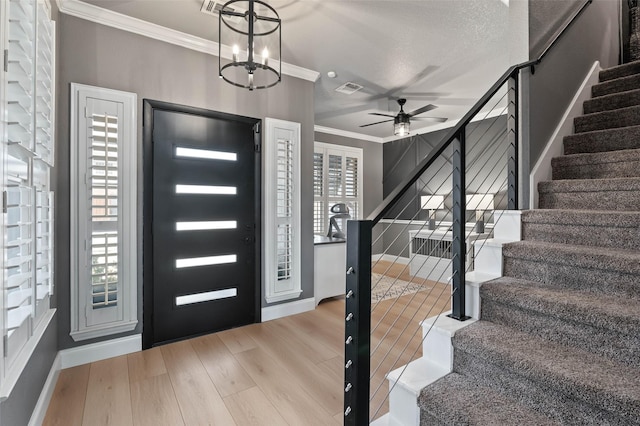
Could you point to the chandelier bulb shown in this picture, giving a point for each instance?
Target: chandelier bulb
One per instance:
(236, 52)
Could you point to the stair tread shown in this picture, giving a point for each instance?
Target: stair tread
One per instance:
(574, 372)
(612, 101)
(616, 118)
(616, 85)
(605, 311)
(590, 185)
(618, 71)
(457, 399)
(600, 140)
(582, 217)
(616, 259)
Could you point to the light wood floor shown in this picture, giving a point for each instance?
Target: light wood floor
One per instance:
(283, 372)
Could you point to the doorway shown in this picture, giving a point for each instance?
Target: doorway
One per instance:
(201, 222)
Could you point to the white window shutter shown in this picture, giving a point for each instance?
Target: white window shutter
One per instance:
(282, 210)
(337, 179)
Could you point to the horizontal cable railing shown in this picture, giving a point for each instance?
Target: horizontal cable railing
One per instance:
(411, 259)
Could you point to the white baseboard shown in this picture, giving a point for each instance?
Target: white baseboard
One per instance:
(40, 410)
(390, 258)
(542, 170)
(99, 351)
(285, 309)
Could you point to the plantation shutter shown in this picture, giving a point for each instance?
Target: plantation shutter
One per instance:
(337, 178)
(319, 203)
(103, 196)
(351, 185)
(104, 137)
(284, 208)
(103, 260)
(282, 211)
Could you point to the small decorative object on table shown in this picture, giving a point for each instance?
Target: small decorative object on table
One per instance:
(634, 30)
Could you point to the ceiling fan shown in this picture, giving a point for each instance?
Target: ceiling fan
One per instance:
(402, 121)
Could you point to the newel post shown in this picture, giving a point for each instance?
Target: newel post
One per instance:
(357, 323)
(458, 242)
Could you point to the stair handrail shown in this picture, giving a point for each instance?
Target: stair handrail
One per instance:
(359, 233)
(446, 141)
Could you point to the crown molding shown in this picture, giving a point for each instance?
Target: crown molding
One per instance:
(96, 14)
(347, 134)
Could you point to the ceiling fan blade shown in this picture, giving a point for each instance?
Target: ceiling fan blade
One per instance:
(379, 122)
(436, 119)
(383, 115)
(423, 109)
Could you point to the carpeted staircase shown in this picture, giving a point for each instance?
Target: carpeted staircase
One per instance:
(559, 337)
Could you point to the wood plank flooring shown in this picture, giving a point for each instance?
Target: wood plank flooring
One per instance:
(283, 372)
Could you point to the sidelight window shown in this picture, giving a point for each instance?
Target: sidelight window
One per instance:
(282, 210)
(103, 220)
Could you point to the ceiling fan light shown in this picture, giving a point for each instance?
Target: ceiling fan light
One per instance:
(401, 129)
(401, 125)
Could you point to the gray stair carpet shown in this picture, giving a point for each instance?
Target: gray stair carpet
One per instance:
(558, 341)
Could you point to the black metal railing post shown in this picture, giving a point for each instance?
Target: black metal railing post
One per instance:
(458, 245)
(357, 323)
(512, 149)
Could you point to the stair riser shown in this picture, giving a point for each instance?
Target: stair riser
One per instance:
(607, 120)
(599, 236)
(607, 343)
(573, 277)
(608, 103)
(601, 200)
(597, 171)
(561, 407)
(616, 86)
(604, 141)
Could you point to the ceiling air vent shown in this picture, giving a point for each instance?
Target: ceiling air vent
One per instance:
(212, 7)
(349, 88)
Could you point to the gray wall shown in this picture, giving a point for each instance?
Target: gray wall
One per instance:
(97, 55)
(372, 167)
(485, 145)
(486, 173)
(594, 36)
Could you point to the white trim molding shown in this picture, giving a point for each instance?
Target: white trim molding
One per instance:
(102, 16)
(346, 134)
(93, 352)
(285, 309)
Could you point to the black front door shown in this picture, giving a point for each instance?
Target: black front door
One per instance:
(203, 204)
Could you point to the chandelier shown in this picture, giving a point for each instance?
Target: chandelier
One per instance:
(253, 29)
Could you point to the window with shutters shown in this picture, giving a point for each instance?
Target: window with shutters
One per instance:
(27, 102)
(282, 210)
(103, 212)
(337, 178)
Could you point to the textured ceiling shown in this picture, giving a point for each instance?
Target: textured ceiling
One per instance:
(444, 52)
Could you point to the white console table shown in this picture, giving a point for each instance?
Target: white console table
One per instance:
(330, 266)
(430, 252)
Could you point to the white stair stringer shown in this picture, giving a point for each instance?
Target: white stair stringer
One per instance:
(406, 382)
